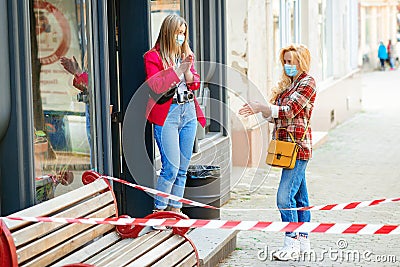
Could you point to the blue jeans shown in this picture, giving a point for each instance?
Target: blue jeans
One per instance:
(175, 141)
(88, 134)
(87, 116)
(292, 193)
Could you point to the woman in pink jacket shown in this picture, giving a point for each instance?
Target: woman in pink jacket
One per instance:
(172, 106)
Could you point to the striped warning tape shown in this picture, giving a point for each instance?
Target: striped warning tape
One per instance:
(159, 193)
(311, 227)
(342, 206)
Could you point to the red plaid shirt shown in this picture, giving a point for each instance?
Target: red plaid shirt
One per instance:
(295, 106)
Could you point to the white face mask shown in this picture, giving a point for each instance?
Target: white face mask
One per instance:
(180, 38)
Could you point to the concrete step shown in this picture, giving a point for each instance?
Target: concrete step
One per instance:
(319, 138)
(213, 245)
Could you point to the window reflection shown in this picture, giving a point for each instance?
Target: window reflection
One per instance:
(61, 103)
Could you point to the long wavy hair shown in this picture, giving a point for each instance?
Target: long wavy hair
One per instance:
(302, 55)
(170, 51)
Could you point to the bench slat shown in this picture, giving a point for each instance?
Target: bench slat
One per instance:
(176, 256)
(117, 249)
(158, 252)
(36, 230)
(61, 202)
(53, 254)
(108, 255)
(60, 236)
(128, 256)
(189, 261)
(90, 250)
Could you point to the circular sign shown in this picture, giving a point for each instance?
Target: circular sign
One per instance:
(48, 17)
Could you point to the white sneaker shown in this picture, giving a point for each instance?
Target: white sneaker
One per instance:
(159, 227)
(289, 251)
(305, 246)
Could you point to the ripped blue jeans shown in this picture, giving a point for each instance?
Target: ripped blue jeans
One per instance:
(175, 141)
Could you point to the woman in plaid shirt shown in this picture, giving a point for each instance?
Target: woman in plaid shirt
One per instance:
(291, 107)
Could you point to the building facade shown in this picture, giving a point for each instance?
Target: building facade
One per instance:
(48, 129)
(51, 132)
(257, 30)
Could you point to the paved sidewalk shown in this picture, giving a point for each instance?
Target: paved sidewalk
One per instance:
(360, 161)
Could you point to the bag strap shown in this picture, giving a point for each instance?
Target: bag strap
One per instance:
(290, 135)
(305, 132)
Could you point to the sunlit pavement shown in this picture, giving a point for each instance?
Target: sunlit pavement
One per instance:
(360, 161)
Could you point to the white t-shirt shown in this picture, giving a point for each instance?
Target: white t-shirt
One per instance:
(182, 83)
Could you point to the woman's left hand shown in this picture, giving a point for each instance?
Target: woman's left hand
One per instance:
(254, 107)
(189, 62)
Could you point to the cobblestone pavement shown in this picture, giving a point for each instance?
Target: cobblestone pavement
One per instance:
(360, 161)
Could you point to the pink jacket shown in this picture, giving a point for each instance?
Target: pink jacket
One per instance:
(161, 82)
(81, 81)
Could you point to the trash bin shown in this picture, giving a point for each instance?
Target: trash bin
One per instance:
(203, 185)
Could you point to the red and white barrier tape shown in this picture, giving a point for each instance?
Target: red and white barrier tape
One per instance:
(310, 227)
(342, 206)
(159, 193)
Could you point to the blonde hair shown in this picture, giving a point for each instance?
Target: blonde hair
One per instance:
(302, 55)
(170, 51)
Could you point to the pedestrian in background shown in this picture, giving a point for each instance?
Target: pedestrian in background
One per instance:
(382, 55)
(172, 106)
(391, 54)
(291, 107)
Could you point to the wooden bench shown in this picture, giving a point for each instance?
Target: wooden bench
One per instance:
(57, 244)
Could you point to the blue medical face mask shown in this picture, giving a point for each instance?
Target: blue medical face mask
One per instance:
(180, 38)
(290, 70)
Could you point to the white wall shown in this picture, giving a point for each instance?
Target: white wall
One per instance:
(247, 58)
(345, 17)
(310, 35)
(354, 34)
(247, 54)
(257, 46)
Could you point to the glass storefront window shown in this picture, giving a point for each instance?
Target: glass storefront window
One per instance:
(61, 95)
(159, 10)
(286, 27)
(324, 32)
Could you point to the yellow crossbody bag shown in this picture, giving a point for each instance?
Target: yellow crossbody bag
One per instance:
(283, 154)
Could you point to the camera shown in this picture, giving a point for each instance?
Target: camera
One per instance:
(82, 97)
(184, 97)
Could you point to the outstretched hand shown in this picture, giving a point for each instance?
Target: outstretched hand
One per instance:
(254, 107)
(70, 65)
